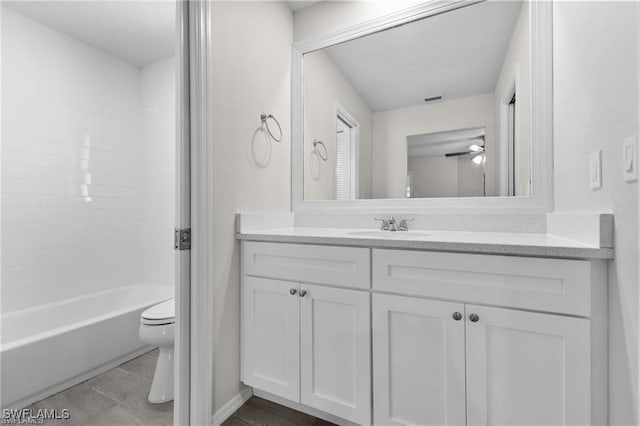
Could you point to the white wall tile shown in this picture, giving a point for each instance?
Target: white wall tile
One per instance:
(87, 175)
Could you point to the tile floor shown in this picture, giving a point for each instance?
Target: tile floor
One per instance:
(257, 411)
(116, 397)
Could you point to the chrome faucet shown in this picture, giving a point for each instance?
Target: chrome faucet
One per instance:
(390, 224)
(403, 224)
(384, 226)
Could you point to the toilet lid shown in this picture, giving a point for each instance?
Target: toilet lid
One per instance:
(162, 311)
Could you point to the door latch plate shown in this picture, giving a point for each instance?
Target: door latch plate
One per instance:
(182, 239)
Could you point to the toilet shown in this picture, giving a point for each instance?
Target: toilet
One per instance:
(157, 326)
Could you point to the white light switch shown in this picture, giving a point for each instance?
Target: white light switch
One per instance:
(630, 159)
(595, 170)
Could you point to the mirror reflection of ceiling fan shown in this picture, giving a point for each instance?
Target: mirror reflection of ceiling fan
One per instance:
(450, 143)
(475, 151)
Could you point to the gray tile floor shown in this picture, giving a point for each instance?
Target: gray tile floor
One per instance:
(117, 397)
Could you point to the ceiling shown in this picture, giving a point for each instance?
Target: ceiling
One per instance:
(456, 54)
(296, 5)
(441, 143)
(138, 32)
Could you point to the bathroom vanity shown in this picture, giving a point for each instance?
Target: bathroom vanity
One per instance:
(433, 328)
(438, 324)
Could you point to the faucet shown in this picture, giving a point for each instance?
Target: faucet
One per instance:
(403, 224)
(390, 224)
(384, 226)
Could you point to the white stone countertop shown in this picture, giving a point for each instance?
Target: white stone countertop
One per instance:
(504, 243)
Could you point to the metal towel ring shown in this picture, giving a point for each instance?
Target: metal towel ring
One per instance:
(324, 156)
(264, 117)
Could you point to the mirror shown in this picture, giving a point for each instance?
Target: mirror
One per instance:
(436, 107)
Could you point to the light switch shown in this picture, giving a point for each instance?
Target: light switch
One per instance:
(595, 170)
(630, 159)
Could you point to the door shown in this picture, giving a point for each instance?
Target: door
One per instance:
(527, 368)
(418, 361)
(271, 329)
(335, 352)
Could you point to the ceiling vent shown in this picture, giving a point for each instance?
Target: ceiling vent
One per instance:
(434, 98)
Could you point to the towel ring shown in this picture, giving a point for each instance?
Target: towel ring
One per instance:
(317, 143)
(264, 117)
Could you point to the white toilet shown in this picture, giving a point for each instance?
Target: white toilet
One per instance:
(157, 326)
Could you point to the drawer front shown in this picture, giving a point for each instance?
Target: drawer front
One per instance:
(343, 266)
(553, 285)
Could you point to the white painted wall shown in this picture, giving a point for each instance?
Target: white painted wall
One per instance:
(595, 108)
(391, 128)
(434, 176)
(324, 85)
(73, 153)
(251, 75)
(470, 178)
(516, 67)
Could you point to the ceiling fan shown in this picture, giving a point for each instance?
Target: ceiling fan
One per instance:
(476, 151)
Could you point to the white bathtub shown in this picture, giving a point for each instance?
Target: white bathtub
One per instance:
(48, 348)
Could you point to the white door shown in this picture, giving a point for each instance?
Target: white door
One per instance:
(526, 368)
(418, 361)
(335, 352)
(271, 336)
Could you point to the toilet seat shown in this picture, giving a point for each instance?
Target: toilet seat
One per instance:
(161, 314)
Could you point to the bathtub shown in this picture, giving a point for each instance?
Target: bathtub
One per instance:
(47, 348)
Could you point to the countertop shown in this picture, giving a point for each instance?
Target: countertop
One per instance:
(503, 243)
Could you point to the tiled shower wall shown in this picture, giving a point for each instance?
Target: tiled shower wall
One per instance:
(74, 181)
(158, 181)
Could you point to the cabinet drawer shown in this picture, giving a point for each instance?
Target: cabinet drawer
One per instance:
(553, 285)
(343, 266)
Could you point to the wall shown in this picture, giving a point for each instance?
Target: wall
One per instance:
(157, 95)
(595, 108)
(470, 178)
(517, 62)
(324, 85)
(70, 185)
(391, 128)
(80, 162)
(251, 75)
(434, 176)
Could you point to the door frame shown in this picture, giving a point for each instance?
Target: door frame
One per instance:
(182, 220)
(194, 208)
(342, 114)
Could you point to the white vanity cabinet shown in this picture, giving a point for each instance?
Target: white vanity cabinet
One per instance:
(428, 337)
(418, 361)
(454, 361)
(308, 343)
(508, 367)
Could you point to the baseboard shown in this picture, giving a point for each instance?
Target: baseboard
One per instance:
(231, 406)
(25, 402)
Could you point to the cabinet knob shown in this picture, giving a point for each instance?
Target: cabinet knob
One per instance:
(293, 291)
(457, 316)
(474, 317)
(303, 293)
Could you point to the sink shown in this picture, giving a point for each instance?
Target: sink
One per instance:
(389, 234)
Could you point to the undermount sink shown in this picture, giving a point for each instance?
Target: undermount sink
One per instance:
(389, 234)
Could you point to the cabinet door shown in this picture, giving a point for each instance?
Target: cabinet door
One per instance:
(418, 361)
(271, 337)
(527, 368)
(335, 352)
